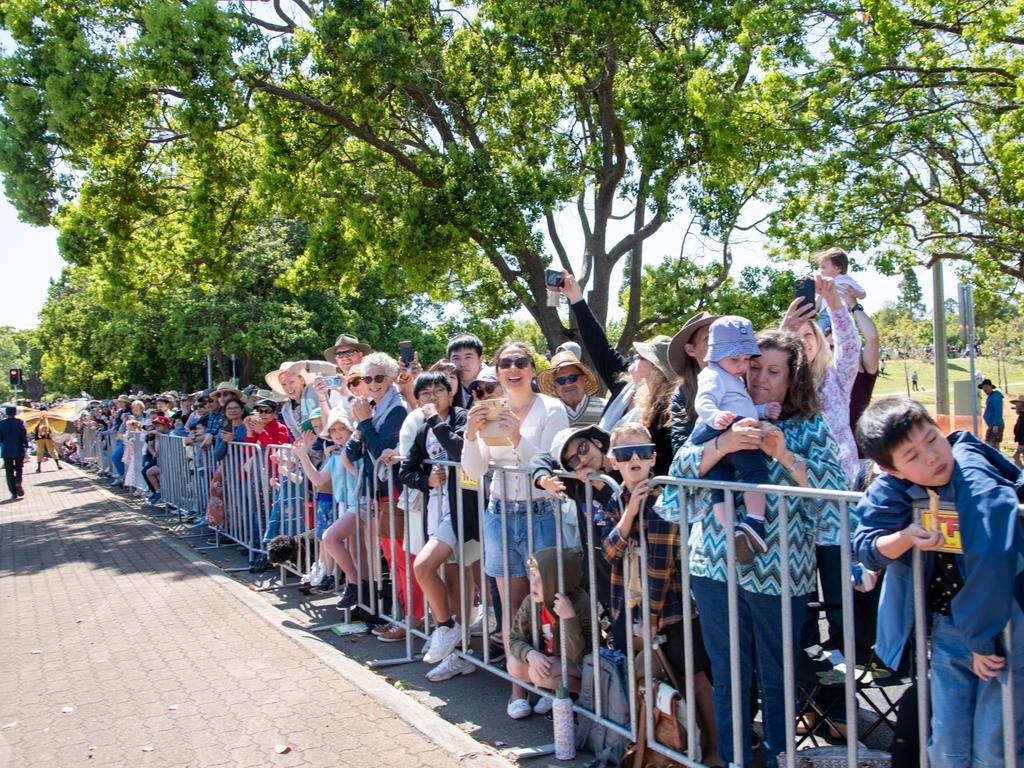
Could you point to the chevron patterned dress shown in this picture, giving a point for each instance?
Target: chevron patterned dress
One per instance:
(812, 440)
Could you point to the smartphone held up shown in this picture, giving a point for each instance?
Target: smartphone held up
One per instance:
(555, 281)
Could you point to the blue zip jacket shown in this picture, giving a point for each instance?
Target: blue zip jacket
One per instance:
(993, 414)
(984, 489)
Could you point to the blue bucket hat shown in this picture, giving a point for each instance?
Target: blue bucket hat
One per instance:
(729, 336)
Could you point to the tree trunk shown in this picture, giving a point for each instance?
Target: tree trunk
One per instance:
(906, 374)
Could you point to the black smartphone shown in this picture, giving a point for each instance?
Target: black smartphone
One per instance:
(405, 353)
(555, 278)
(804, 289)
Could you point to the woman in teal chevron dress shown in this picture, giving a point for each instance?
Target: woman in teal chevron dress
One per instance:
(804, 453)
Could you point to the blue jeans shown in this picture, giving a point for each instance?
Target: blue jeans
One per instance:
(760, 629)
(289, 498)
(117, 459)
(516, 524)
(967, 712)
(749, 466)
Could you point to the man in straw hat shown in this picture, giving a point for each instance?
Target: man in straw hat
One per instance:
(575, 385)
(347, 353)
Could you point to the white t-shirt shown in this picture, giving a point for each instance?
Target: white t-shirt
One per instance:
(537, 431)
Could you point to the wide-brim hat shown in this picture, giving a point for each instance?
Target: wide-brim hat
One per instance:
(677, 347)
(123, 398)
(562, 438)
(565, 359)
(227, 386)
(345, 340)
(987, 381)
(1018, 400)
(273, 378)
(655, 352)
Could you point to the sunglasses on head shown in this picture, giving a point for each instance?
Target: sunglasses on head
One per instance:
(518, 362)
(644, 452)
(572, 378)
(481, 391)
(378, 379)
(345, 352)
(581, 450)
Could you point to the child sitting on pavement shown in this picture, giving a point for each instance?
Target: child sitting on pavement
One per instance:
(721, 399)
(974, 572)
(566, 612)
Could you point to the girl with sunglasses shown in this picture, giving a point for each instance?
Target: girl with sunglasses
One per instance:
(530, 423)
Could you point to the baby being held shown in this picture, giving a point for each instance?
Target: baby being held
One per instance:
(722, 399)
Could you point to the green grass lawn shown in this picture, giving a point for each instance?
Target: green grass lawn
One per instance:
(894, 382)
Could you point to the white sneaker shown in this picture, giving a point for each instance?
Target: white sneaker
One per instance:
(544, 705)
(442, 642)
(476, 627)
(452, 666)
(517, 709)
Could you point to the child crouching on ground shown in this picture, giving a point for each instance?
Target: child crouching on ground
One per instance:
(974, 574)
(567, 612)
(721, 399)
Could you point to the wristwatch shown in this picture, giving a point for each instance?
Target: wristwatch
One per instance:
(857, 308)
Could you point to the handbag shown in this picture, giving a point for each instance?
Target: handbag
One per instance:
(384, 520)
(668, 729)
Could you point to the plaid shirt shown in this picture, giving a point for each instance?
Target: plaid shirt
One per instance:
(664, 588)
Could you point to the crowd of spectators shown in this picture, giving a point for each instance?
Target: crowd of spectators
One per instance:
(425, 442)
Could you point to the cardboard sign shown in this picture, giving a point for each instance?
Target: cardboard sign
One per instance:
(946, 522)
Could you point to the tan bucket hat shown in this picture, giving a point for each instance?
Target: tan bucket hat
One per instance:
(566, 359)
(227, 386)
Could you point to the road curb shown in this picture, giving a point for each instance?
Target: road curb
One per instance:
(445, 735)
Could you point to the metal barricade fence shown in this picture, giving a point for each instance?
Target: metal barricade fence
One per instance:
(89, 450)
(257, 506)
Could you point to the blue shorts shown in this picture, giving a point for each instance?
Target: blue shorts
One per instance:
(324, 513)
(516, 524)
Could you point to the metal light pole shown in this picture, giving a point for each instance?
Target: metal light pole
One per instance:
(966, 293)
(939, 340)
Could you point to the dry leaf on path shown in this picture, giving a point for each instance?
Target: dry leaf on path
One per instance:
(282, 749)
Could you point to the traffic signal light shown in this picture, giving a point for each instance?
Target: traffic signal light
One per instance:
(15, 377)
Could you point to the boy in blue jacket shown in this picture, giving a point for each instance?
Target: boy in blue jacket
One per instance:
(974, 575)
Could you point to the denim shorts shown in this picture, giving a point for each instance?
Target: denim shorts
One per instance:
(516, 523)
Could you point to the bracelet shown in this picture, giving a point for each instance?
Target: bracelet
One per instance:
(796, 462)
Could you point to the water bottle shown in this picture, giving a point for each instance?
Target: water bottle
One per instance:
(565, 733)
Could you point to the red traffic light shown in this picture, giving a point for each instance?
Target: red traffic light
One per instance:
(14, 376)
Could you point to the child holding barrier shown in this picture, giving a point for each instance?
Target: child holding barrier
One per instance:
(974, 572)
(559, 612)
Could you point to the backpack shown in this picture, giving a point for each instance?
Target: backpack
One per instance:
(606, 744)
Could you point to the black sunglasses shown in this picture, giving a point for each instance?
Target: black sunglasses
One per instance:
(581, 450)
(518, 362)
(644, 452)
(345, 352)
(481, 391)
(572, 378)
(379, 379)
(265, 410)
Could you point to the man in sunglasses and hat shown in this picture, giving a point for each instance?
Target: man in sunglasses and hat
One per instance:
(347, 353)
(575, 385)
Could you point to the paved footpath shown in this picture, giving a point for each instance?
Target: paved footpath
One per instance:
(118, 648)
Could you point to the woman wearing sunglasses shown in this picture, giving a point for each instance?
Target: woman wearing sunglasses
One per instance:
(802, 451)
(530, 423)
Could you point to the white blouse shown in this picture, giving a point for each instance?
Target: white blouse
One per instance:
(537, 431)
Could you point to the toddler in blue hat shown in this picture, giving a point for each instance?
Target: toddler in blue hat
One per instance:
(722, 398)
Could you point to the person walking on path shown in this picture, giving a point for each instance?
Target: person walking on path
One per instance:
(45, 446)
(913, 380)
(993, 414)
(13, 448)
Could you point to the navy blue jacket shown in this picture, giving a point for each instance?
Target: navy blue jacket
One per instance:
(15, 438)
(984, 489)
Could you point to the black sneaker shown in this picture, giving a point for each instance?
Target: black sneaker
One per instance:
(323, 587)
(496, 652)
(349, 597)
(753, 529)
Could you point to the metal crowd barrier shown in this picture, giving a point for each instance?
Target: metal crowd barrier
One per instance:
(265, 493)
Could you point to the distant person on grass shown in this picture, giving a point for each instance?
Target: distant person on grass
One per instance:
(993, 414)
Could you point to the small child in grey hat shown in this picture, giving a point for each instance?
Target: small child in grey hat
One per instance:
(721, 399)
